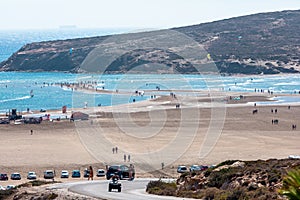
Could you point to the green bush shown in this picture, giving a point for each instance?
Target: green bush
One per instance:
(220, 178)
(161, 188)
(37, 183)
(291, 185)
(4, 194)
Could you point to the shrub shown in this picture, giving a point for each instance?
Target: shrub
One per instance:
(161, 188)
(291, 185)
(219, 178)
(4, 194)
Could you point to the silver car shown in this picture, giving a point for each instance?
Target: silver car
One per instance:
(182, 169)
(31, 175)
(100, 172)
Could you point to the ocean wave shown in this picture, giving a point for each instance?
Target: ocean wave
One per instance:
(5, 81)
(15, 99)
(287, 83)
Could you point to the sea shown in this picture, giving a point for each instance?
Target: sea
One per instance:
(42, 90)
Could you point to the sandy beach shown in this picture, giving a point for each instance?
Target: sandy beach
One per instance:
(153, 132)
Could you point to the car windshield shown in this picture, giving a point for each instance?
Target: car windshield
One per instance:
(113, 168)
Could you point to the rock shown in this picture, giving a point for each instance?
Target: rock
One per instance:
(252, 186)
(238, 164)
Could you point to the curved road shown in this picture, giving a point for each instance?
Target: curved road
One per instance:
(134, 190)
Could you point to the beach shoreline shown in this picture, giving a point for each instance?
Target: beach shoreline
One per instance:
(63, 144)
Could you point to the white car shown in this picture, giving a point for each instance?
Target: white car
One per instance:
(100, 172)
(64, 174)
(182, 169)
(31, 175)
(2, 188)
(195, 168)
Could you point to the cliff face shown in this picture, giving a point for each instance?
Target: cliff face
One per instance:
(51, 55)
(266, 43)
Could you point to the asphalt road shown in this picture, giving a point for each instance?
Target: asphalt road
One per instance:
(134, 190)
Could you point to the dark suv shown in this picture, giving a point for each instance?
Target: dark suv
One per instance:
(123, 171)
(3, 177)
(15, 176)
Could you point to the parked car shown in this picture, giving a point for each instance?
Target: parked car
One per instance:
(9, 187)
(3, 177)
(182, 169)
(195, 168)
(86, 173)
(31, 175)
(64, 174)
(123, 171)
(49, 174)
(2, 121)
(76, 174)
(100, 172)
(204, 167)
(2, 188)
(15, 176)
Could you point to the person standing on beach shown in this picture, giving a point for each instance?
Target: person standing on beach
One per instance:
(128, 157)
(31, 132)
(91, 173)
(113, 150)
(116, 149)
(124, 157)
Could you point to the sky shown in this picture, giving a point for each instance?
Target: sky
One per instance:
(49, 14)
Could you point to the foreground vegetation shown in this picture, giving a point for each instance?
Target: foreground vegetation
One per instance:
(271, 179)
(16, 195)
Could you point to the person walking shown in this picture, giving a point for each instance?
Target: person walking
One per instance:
(124, 157)
(128, 157)
(91, 173)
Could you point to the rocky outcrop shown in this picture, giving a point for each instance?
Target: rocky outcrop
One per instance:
(267, 43)
(236, 179)
(232, 179)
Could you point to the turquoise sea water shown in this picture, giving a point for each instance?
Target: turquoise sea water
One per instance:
(15, 87)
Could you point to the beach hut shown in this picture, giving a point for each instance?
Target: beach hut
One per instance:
(79, 116)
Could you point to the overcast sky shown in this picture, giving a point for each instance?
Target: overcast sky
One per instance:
(44, 14)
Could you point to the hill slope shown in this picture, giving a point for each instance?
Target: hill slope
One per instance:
(266, 43)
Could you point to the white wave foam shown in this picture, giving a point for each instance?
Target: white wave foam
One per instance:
(16, 99)
(287, 83)
(6, 81)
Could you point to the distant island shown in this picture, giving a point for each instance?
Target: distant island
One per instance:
(266, 43)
